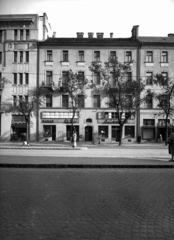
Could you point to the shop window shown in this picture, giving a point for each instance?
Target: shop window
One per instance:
(47, 131)
(103, 131)
(149, 122)
(130, 131)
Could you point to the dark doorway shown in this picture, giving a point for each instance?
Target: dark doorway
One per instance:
(115, 133)
(130, 131)
(53, 133)
(88, 133)
(69, 132)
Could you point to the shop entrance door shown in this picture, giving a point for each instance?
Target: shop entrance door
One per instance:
(88, 133)
(115, 133)
(69, 132)
(53, 133)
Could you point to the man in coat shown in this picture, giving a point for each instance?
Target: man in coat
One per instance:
(171, 145)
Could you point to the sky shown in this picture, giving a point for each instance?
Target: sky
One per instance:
(67, 17)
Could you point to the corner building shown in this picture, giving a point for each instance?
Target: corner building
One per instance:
(19, 34)
(56, 56)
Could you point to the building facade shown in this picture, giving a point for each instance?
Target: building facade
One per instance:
(19, 35)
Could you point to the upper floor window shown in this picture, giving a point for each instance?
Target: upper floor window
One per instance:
(49, 55)
(81, 56)
(163, 101)
(113, 54)
(96, 56)
(81, 77)
(149, 78)
(128, 76)
(149, 122)
(0, 57)
(112, 80)
(64, 78)
(97, 78)
(48, 100)
(65, 101)
(128, 56)
(21, 35)
(15, 35)
(15, 57)
(26, 98)
(27, 57)
(26, 78)
(81, 102)
(165, 75)
(164, 57)
(21, 57)
(149, 56)
(20, 98)
(65, 56)
(148, 103)
(0, 36)
(20, 78)
(96, 101)
(15, 78)
(27, 34)
(49, 77)
(14, 101)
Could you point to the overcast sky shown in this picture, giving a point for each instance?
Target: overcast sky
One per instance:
(154, 17)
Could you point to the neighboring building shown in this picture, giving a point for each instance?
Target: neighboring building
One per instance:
(56, 56)
(18, 63)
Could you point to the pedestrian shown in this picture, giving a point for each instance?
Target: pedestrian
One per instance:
(22, 137)
(171, 145)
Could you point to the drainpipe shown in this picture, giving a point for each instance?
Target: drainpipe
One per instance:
(138, 79)
(37, 85)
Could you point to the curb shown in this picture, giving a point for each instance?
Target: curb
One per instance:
(96, 166)
(46, 148)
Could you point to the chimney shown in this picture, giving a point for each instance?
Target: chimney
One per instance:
(80, 34)
(171, 35)
(100, 35)
(111, 35)
(54, 34)
(135, 32)
(90, 35)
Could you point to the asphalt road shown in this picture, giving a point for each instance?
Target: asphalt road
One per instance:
(81, 204)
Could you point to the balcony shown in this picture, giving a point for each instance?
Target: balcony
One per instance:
(149, 64)
(164, 64)
(81, 64)
(48, 63)
(50, 85)
(65, 63)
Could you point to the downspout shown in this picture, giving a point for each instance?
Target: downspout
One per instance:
(138, 80)
(37, 85)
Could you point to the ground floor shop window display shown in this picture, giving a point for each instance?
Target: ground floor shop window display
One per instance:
(103, 132)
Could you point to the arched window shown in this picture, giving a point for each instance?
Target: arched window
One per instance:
(89, 120)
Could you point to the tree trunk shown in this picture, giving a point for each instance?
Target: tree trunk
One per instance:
(120, 137)
(166, 130)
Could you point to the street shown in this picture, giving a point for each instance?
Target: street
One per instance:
(95, 204)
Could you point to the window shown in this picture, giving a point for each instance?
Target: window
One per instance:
(96, 56)
(49, 77)
(130, 131)
(149, 56)
(128, 56)
(21, 35)
(0, 57)
(149, 78)
(81, 102)
(65, 56)
(49, 55)
(148, 103)
(128, 76)
(81, 56)
(113, 54)
(27, 57)
(15, 35)
(21, 57)
(20, 78)
(27, 34)
(112, 80)
(26, 78)
(149, 122)
(26, 99)
(97, 78)
(48, 100)
(64, 78)
(81, 76)
(128, 100)
(0, 36)
(165, 75)
(111, 101)
(15, 78)
(163, 101)
(164, 57)
(96, 101)
(103, 131)
(14, 101)
(20, 98)
(15, 57)
(65, 101)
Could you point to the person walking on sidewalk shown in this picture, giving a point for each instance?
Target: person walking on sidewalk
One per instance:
(171, 145)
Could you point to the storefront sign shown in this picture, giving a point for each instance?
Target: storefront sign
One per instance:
(60, 120)
(114, 121)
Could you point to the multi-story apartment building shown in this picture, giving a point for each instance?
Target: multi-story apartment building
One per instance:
(56, 56)
(18, 64)
(150, 55)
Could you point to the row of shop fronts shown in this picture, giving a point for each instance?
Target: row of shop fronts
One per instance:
(56, 126)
